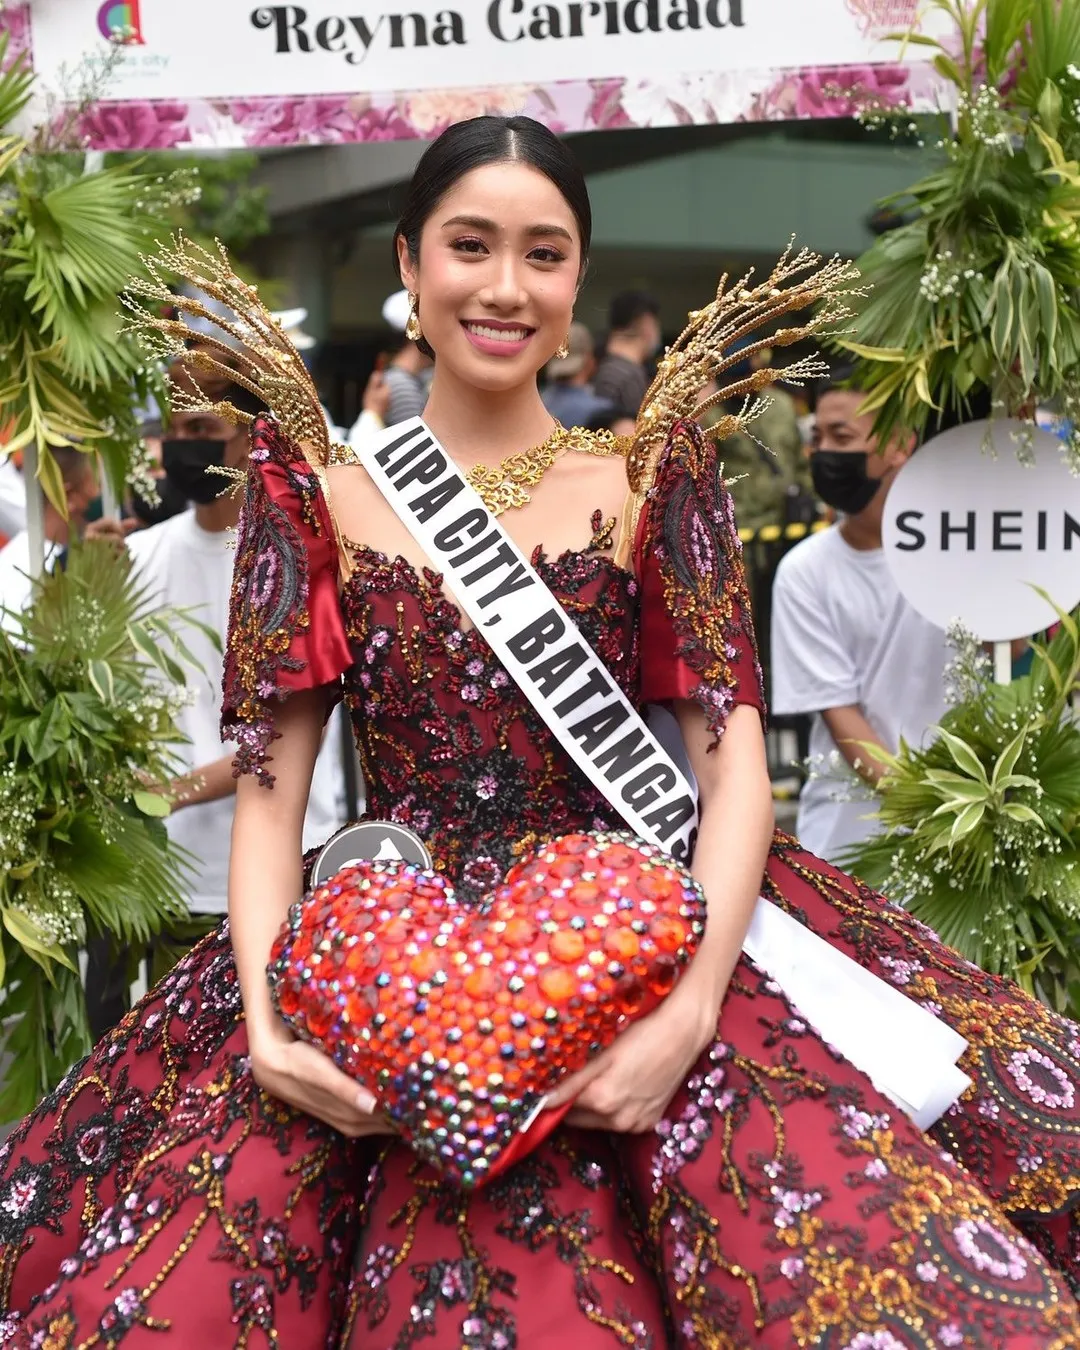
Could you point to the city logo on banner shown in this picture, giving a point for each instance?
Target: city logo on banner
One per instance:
(119, 21)
(880, 18)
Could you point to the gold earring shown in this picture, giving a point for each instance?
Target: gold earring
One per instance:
(564, 351)
(413, 331)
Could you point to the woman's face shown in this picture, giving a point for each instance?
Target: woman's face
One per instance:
(497, 275)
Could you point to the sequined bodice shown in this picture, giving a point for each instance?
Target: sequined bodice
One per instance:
(448, 743)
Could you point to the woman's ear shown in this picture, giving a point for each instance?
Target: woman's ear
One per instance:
(582, 273)
(406, 265)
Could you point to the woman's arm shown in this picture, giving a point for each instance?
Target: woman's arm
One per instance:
(265, 878)
(734, 837)
(628, 1087)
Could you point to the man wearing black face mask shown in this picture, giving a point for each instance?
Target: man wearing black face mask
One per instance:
(186, 562)
(846, 646)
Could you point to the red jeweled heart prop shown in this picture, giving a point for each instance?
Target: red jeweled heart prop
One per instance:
(462, 1018)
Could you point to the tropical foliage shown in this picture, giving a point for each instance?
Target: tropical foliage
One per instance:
(982, 827)
(83, 850)
(223, 203)
(979, 289)
(69, 241)
(89, 676)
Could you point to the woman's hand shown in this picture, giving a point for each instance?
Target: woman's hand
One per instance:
(628, 1087)
(307, 1079)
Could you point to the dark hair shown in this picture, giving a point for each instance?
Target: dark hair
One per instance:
(843, 376)
(490, 140)
(72, 463)
(975, 407)
(243, 400)
(629, 306)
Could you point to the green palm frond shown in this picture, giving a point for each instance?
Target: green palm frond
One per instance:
(980, 289)
(16, 83)
(87, 702)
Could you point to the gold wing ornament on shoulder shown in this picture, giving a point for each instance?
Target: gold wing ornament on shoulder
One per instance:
(246, 346)
(743, 319)
(257, 355)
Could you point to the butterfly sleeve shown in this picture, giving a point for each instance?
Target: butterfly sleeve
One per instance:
(697, 635)
(286, 630)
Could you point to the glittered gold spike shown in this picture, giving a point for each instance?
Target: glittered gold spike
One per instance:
(259, 357)
(715, 340)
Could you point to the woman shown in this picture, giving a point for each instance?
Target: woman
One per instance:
(724, 1179)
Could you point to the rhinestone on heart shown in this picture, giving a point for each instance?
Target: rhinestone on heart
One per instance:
(462, 1017)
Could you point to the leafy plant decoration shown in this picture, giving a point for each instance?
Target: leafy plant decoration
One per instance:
(980, 289)
(982, 826)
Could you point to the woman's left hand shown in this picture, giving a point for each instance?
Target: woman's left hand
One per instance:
(628, 1087)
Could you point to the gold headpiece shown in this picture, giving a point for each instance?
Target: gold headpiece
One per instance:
(714, 340)
(259, 356)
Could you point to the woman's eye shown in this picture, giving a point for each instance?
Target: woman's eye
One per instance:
(545, 253)
(468, 245)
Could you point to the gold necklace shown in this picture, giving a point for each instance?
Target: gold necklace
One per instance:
(505, 487)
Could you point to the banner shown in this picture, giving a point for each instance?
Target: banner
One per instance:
(206, 72)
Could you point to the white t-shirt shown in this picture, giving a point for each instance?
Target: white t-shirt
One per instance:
(16, 588)
(189, 567)
(843, 635)
(12, 499)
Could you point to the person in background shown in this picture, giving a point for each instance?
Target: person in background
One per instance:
(81, 489)
(12, 499)
(568, 393)
(616, 420)
(623, 376)
(768, 472)
(186, 562)
(373, 409)
(407, 376)
(170, 501)
(847, 647)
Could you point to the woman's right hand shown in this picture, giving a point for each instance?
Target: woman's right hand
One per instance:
(305, 1078)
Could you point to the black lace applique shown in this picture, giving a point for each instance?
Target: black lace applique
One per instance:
(269, 602)
(691, 534)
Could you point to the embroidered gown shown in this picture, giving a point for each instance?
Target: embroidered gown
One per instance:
(159, 1196)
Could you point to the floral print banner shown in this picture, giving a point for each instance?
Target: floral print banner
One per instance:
(312, 117)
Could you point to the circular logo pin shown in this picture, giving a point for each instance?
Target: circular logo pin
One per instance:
(369, 841)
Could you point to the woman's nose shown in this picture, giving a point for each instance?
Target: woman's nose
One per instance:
(505, 289)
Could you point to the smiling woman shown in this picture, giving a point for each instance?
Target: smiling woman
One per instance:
(724, 1177)
(492, 243)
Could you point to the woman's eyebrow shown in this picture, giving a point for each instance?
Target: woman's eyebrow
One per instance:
(482, 223)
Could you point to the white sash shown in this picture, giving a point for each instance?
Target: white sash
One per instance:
(905, 1050)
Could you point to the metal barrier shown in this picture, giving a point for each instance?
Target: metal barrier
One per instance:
(788, 739)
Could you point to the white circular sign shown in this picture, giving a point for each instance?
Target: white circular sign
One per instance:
(969, 532)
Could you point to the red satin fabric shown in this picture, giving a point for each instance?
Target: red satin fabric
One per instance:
(322, 648)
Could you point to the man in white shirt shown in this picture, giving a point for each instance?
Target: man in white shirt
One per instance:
(187, 562)
(847, 648)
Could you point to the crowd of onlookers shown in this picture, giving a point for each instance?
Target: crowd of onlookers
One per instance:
(846, 650)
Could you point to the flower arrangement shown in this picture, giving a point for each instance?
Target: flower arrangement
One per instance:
(982, 826)
(83, 850)
(979, 288)
(89, 677)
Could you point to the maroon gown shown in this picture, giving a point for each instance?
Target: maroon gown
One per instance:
(159, 1196)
